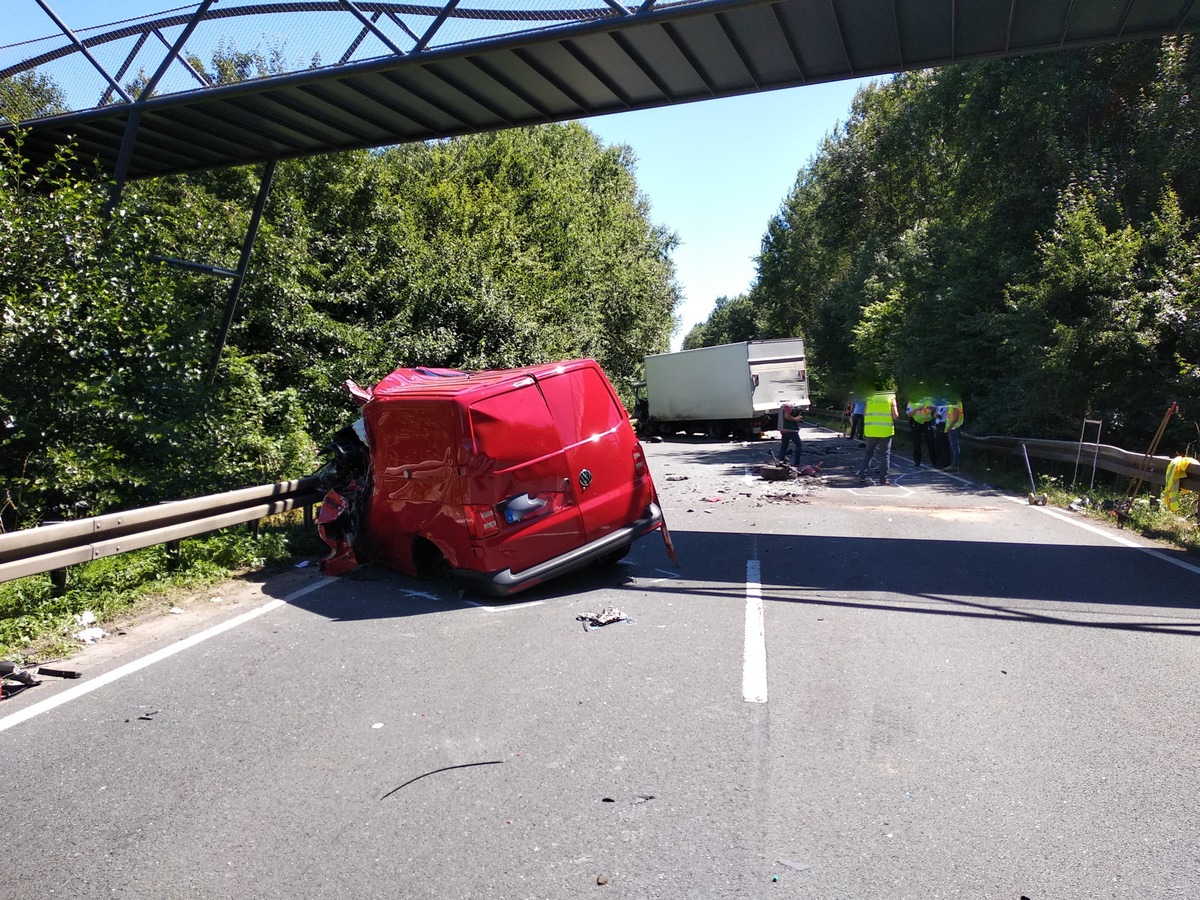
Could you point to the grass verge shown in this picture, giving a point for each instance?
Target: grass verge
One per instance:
(37, 621)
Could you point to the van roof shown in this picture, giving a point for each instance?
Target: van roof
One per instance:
(430, 383)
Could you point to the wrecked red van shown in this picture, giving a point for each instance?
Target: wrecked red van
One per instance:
(501, 479)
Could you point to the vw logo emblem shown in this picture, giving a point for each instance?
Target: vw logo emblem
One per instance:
(585, 478)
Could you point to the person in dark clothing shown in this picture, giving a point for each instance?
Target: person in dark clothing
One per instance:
(856, 418)
(789, 431)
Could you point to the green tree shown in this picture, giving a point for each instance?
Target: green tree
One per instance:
(29, 95)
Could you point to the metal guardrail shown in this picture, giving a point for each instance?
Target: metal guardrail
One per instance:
(1152, 470)
(50, 548)
(55, 547)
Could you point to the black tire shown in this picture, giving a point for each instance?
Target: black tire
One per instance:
(616, 556)
(429, 562)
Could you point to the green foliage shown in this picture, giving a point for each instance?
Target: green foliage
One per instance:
(1025, 229)
(732, 320)
(28, 95)
(485, 252)
(33, 615)
(500, 250)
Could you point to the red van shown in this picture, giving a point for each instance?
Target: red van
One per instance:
(501, 479)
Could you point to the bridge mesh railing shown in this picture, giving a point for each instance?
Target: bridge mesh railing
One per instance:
(43, 72)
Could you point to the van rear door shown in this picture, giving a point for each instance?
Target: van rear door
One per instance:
(519, 500)
(608, 471)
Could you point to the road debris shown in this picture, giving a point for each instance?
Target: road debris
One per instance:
(606, 616)
(58, 673)
(89, 632)
(16, 673)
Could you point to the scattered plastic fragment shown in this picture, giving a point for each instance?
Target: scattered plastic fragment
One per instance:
(377, 725)
(677, 478)
(85, 618)
(606, 616)
(90, 635)
(302, 564)
(601, 879)
(712, 499)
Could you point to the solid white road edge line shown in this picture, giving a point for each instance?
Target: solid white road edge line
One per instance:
(501, 609)
(157, 656)
(1094, 529)
(754, 664)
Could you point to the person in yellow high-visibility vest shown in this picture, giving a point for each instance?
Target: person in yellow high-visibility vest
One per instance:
(879, 424)
(920, 415)
(954, 421)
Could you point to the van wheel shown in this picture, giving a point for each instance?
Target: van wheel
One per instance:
(429, 562)
(616, 556)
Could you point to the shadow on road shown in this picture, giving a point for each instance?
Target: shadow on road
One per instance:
(1086, 586)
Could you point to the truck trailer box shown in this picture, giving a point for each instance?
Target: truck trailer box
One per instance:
(727, 388)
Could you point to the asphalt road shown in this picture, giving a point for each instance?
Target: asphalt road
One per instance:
(923, 691)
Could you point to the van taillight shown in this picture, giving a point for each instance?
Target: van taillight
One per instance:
(639, 462)
(481, 521)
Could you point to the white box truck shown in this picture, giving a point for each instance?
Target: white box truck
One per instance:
(728, 389)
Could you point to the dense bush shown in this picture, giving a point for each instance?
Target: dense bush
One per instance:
(1023, 229)
(491, 251)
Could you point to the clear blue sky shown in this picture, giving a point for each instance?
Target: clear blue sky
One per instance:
(715, 173)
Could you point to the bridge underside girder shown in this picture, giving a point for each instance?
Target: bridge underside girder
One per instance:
(620, 60)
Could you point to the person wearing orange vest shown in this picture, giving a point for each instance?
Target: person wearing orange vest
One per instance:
(879, 424)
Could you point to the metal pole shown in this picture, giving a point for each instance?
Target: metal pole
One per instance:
(135, 113)
(87, 54)
(1096, 455)
(235, 288)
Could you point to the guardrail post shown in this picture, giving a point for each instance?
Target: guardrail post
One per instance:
(58, 578)
(174, 555)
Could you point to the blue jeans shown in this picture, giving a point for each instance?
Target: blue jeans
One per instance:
(952, 434)
(789, 437)
(872, 443)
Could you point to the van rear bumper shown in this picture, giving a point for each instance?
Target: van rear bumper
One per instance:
(505, 582)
